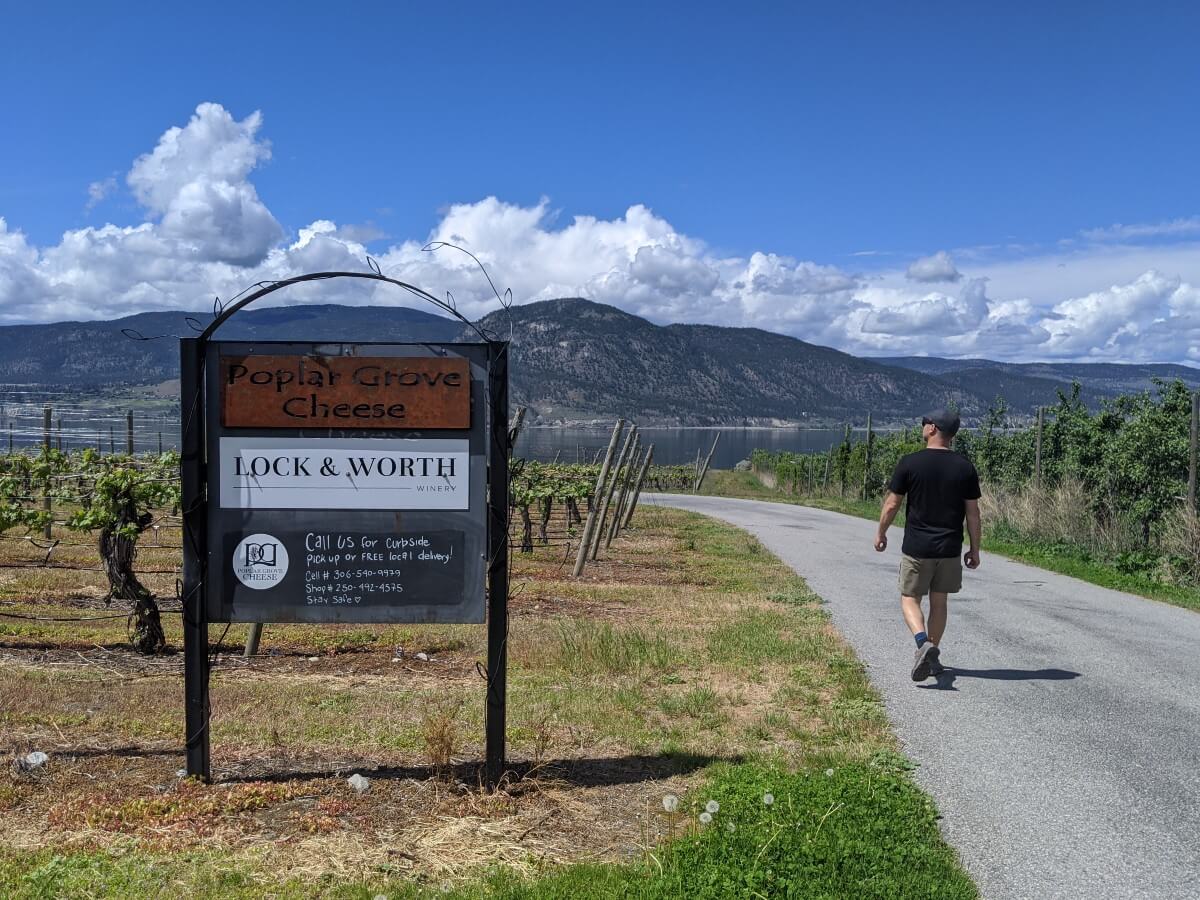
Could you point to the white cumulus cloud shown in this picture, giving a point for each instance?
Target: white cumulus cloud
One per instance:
(935, 314)
(196, 179)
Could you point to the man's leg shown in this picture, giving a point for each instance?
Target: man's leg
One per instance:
(937, 615)
(915, 577)
(937, 627)
(926, 658)
(913, 617)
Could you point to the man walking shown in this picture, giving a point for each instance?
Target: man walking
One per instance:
(942, 489)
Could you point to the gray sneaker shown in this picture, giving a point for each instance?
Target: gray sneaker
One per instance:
(927, 656)
(935, 664)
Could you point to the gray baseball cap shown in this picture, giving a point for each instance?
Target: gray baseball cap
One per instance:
(946, 420)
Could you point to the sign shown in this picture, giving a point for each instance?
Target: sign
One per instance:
(347, 483)
(327, 481)
(315, 391)
(345, 473)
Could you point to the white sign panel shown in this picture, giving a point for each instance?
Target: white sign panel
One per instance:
(343, 473)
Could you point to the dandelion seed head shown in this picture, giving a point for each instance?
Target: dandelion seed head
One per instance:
(712, 806)
(768, 798)
(670, 803)
(829, 773)
(705, 818)
(731, 828)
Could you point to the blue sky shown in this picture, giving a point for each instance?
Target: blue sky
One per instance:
(852, 138)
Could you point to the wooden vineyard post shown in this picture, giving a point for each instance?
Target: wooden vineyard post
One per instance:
(619, 512)
(1192, 448)
(707, 461)
(612, 486)
(1037, 452)
(844, 459)
(129, 432)
(825, 483)
(47, 415)
(514, 430)
(58, 434)
(867, 466)
(589, 526)
(112, 440)
(253, 636)
(637, 488)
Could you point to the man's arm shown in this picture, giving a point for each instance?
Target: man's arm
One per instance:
(891, 506)
(971, 557)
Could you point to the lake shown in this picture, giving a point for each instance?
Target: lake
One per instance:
(99, 421)
(675, 446)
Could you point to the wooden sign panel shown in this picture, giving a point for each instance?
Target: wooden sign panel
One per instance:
(260, 391)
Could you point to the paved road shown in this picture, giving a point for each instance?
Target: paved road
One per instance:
(1063, 747)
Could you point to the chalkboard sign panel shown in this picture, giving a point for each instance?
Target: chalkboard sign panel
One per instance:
(346, 568)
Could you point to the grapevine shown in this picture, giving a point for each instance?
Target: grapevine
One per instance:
(112, 496)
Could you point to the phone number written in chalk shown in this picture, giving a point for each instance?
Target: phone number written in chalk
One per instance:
(335, 595)
(315, 575)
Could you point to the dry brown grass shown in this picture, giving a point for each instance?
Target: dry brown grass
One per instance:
(1181, 537)
(439, 728)
(1062, 514)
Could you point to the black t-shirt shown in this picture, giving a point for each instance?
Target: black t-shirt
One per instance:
(938, 483)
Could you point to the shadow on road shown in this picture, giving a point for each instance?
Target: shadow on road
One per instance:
(945, 681)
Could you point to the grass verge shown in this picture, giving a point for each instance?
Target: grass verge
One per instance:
(690, 662)
(860, 830)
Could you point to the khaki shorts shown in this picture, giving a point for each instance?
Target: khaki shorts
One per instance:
(920, 576)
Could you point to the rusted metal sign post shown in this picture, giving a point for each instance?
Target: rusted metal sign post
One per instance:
(343, 482)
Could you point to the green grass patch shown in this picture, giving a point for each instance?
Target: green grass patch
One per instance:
(862, 831)
(699, 703)
(758, 636)
(586, 646)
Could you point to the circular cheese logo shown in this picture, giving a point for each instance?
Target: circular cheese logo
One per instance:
(260, 561)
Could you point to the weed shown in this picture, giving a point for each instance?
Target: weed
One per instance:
(697, 703)
(587, 646)
(439, 728)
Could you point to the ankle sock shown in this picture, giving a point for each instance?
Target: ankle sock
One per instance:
(921, 638)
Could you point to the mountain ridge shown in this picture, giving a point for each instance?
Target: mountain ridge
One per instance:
(575, 360)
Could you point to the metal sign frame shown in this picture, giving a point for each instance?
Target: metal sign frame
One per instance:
(199, 501)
